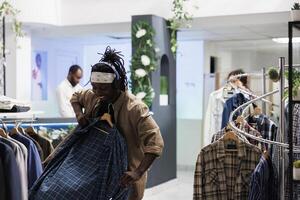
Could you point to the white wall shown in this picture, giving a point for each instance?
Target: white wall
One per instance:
(189, 101)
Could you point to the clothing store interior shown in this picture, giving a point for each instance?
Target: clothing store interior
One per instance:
(154, 100)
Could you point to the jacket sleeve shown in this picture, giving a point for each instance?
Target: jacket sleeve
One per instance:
(226, 113)
(207, 130)
(148, 131)
(80, 97)
(198, 179)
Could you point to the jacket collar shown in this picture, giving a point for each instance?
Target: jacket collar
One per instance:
(241, 148)
(117, 105)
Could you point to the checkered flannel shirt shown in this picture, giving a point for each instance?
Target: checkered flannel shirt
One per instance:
(224, 175)
(88, 165)
(266, 127)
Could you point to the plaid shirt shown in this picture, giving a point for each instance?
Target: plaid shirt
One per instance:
(224, 175)
(88, 165)
(266, 127)
(221, 133)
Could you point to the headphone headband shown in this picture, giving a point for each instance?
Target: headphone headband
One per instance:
(112, 67)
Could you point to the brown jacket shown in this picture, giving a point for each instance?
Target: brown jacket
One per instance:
(133, 120)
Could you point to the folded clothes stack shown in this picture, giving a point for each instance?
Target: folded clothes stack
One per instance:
(8, 104)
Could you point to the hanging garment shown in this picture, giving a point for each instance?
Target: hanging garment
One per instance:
(224, 175)
(24, 152)
(135, 123)
(296, 141)
(34, 163)
(264, 181)
(12, 188)
(21, 164)
(44, 143)
(221, 133)
(37, 145)
(87, 166)
(230, 105)
(2, 181)
(266, 127)
(213, 115)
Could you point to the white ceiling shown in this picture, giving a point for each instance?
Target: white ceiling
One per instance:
(241, 28)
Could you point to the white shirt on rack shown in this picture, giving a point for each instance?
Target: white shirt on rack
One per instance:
(64, 93)
(213, 115)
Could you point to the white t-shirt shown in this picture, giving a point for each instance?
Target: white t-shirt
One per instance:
(64, 94)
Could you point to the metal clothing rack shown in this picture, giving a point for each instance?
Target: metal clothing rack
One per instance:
(283, 146)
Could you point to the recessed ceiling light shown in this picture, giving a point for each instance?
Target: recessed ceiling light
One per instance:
(286, 40)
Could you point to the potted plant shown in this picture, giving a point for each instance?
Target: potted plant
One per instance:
(295, 12)
(296, 170)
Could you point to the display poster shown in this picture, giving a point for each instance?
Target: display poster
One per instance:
(39, 76)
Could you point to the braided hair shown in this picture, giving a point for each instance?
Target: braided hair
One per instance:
(114, 58)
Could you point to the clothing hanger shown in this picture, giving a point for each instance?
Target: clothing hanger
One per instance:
(3, 133)
(257, 111)
(15, 129)
(21, 130)
(266, 154)
(107, 117)
(30, 130)
(231, 139)
(240, 120)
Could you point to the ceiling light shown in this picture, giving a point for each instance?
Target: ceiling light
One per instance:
(286, 40)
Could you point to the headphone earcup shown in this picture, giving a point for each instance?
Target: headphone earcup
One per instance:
(116, 84)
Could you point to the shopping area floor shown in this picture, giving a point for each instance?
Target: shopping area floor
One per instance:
(178, 189)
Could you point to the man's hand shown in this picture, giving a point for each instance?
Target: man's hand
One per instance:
(130, 177)
(82, 121)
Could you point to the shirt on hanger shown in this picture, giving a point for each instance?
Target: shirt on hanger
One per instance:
(12, 186)
(230, 105)
(213, 115)
(264, 181)
(266, 127)
(221, 133)
(134, 122)
(222, 174)
(44, 143)
(34, 163)
(37, 145)
(2, 181)
(21, 163)
(88, 165)
(24, 151)
(64, 93)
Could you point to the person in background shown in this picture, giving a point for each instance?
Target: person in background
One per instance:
(66, 89)
(130, 114)
(241, 81)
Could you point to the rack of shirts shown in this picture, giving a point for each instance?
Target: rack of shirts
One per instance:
(21, 154)
(223, 101)
(245, 142)
(233, 168)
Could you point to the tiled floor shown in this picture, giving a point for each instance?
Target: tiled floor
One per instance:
(179, 189)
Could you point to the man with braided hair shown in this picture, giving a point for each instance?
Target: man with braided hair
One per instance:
(130, 115)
